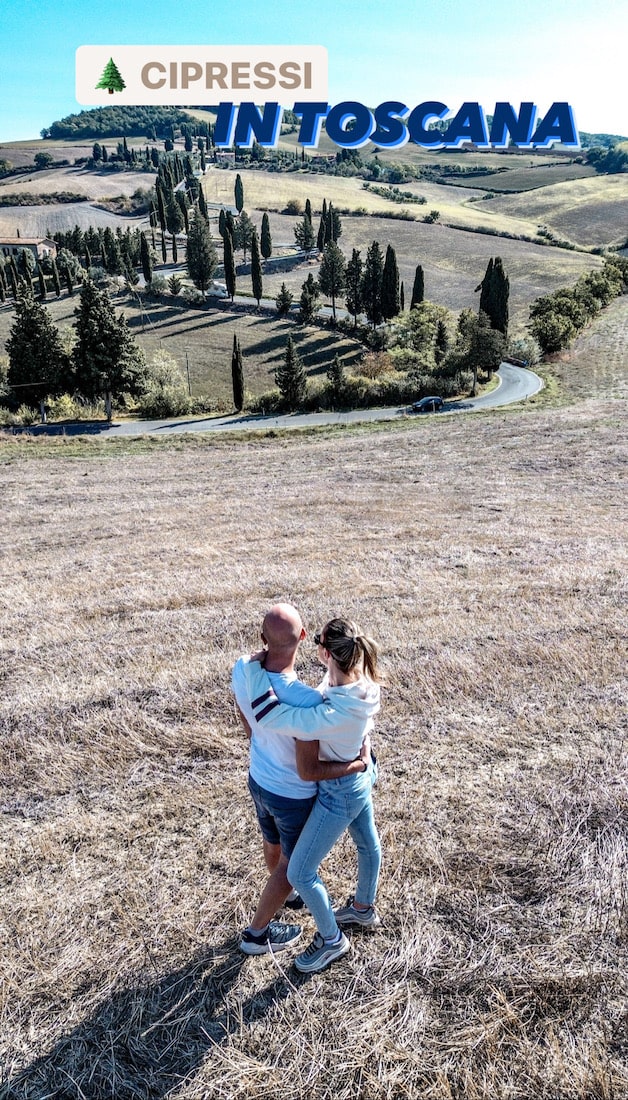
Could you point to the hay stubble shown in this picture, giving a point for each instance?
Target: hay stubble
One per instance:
(484, 554)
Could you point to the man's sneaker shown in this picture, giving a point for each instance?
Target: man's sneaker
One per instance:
(294, 901)
(364, 918)
(319, 954)
(276, 937)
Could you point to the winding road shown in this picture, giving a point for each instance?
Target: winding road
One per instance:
(514, 384)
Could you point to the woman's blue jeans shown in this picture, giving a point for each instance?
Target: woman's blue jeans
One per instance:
(341, 804)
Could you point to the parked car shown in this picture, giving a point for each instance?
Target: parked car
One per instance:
(218, 290)
(428, 405)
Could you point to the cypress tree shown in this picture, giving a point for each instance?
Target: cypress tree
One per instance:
(202, 204)
(495, 290)
(146, 260)
(291, 378)
(229, 264)
(266, 243)
(161, 205)
(41, 279)
(181, 199)
(55, 277)
(308, 210)
(372, 284)
(222, 222)
(353, 301)
(418, 289)
(402, 297)
(320, 239)
(390, 285)
(237, 375)
(256, 268)
(238, 192)
(501, 292)
(485, 288)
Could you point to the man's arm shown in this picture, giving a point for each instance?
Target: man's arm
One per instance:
(244, 721)
(310, 767)
(306, 723)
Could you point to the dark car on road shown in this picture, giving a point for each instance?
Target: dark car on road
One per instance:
(428, 405)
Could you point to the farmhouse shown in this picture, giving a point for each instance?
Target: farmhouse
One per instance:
(39, 246)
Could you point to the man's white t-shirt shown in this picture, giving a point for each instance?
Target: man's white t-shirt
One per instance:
(273, 755)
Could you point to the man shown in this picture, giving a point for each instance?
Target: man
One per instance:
(283, 800)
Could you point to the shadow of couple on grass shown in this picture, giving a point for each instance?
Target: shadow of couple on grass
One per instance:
(146, 1039)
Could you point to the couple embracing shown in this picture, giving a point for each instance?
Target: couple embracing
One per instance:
(311, 777)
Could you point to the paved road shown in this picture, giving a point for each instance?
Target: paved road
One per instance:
(515, 384)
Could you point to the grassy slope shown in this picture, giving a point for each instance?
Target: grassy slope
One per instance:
(589, 211)
(129, 857)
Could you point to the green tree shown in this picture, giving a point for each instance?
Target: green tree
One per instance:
(111, 78)
(372, 284)
(41, 279)
(256, 269)
(243, 237)
(239, 193)
(174, 220)
(418, 288)
(353, 301)
(43, 160)
(237, 375)
(56, 282)
(479, 347)
(495, 289)
(107, 360)
(332, 274)
(283, 301)
(266, 241)
(202, 204)
(201, 254)
(337, 381)
(304, 234)
(229, 263)
(390, 285)
(334, 225)
(308, 302)
(291, 378)
(39, 367)
(146, 259)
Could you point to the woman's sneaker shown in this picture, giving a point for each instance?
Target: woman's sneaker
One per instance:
(276, 937)
(294, 901)
(364, 918)
(319, 954)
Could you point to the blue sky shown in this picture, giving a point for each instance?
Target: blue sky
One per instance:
(484, 51)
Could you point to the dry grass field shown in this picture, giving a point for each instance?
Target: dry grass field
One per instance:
(590, 212)
(485, 554)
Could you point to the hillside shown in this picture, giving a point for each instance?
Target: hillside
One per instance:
(484, 555)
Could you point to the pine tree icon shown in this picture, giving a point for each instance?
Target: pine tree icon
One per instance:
(111, 79)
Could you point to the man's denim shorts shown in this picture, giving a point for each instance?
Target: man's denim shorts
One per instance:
(280, 819)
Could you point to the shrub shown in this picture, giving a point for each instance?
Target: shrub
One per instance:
(166, 393)
(64, 407)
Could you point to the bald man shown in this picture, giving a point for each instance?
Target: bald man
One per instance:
(282, 775)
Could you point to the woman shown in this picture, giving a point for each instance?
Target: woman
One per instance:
(340, 724)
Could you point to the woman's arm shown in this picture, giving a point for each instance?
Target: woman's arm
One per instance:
(310, 767)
